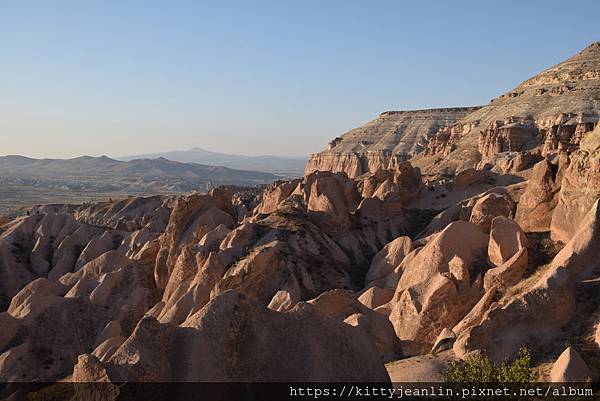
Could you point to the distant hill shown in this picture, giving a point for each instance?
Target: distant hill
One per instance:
(104, 171)
(286, 166)
(25, 181)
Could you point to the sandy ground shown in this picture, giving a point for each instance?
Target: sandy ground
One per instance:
(422, 368)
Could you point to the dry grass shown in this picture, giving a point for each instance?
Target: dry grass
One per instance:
(541, 251)
(526, 283)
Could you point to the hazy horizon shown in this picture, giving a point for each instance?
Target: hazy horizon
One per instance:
(269, 78)
(121, 156)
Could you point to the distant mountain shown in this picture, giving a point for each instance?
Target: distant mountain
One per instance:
(286, 166)
(139, 172)
(102, 174)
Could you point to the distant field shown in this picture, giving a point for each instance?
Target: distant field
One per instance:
(15, 198)
(25, 182)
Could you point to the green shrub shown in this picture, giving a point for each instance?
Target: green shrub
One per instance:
(480, 369)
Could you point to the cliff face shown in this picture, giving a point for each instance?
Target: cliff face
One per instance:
(548, 113)
(393, 137)
(354, 164)
(580, 188)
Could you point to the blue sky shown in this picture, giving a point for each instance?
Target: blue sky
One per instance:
(255, 77)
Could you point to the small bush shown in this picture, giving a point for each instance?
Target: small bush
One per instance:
(480, 369)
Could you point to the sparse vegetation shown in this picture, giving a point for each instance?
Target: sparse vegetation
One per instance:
(542, 250)
(526, 283)
(481, 369)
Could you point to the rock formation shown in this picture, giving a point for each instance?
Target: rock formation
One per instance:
(537, 203)
(388, 259)
(569, 367)
(537, 313)
(383, 143)
(550, 112)
(235, 339)
(422, 237)
(445, 270)
(506, 240)
(580, 187)
(51, 242)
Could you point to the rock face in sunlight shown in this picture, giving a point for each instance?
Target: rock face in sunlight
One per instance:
(425, 236)
(580, 187)
(548, 113)
(446, 271)
(385, 142)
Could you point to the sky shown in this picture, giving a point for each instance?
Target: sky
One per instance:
(256, 77)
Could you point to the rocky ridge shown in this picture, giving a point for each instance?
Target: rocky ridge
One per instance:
(383, 143)
(546, 114)
(345, 272)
